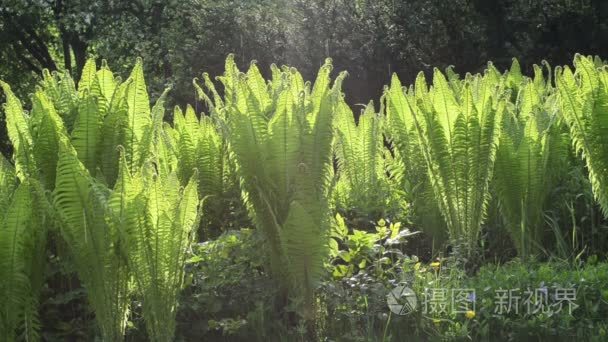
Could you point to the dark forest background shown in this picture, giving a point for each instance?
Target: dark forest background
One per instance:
(180, 39)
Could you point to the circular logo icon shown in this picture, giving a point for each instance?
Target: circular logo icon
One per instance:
(402, 300)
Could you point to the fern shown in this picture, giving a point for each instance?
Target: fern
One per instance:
(99, 257)
(415, 181)
(363, 183)
(87, 130)
(531, 148)
(199, 144)
(22, 257)
(583, 97)
(103, 113)
(158, 219)
(47, 130)
(61, 90)
(19, 134)
(68, 164)
(138, 111)
(281, 137)
(15, 284)
(458, 134)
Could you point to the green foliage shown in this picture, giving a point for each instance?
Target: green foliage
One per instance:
(532, 152)
(281, 136)
(8, 182)
(458, 130)
(535, 322)
(364, 267)
(354, 251)
(363, 186)
(583, 97)
(410, 172)
(95, 245)
(23, 225)
(122, 192)
(228, 293)
(585, 322)
(199, 144)
(19, 134)
(22, 242)
(69, 145)
(158, 219)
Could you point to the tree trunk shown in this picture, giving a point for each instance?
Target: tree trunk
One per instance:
(80, 54)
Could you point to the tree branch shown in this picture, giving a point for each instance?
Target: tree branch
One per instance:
(33, 44)
(22, 58)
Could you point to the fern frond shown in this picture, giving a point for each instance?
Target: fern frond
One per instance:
(8, 183)
(19, 134)
(81, 204)
(87, 77)
(584, 101)
(86, 135)
(14, 284)
(158, 222)
(48, 129)
(401, 131)
(138, 110)
(103, 87)
(115, 132)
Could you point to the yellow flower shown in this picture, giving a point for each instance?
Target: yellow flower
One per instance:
(435, 264)
(470, 314)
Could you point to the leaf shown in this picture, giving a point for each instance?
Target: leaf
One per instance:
(19, 134)
(138, 111)
(15, 229)
(87, 77)
(86, 135)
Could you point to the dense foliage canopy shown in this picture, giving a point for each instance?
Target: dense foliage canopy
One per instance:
(96, 169)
